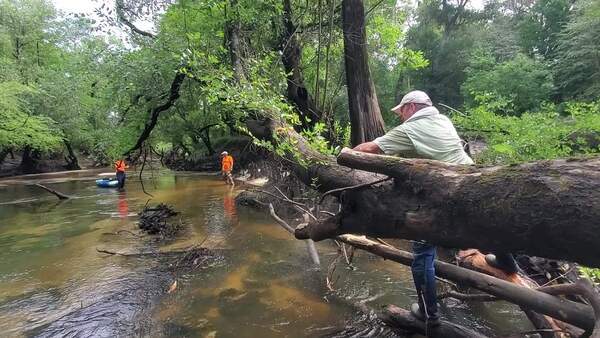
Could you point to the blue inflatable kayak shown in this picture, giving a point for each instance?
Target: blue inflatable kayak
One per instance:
(107, 183)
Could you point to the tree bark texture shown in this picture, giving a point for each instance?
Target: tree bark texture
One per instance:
(546, 208)
(365, 116)
(297, 92)
(233, 41)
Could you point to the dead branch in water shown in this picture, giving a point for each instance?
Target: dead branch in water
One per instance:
(578, 314)
(585, 288)
(472, 297)
(58, 194)
(310, 245)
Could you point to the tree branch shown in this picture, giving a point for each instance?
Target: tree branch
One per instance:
(155, 112)
(120, 9)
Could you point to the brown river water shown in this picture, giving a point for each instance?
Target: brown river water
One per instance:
(54, 282)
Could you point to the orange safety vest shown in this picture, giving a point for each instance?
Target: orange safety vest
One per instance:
(120, 165)
(227, 163)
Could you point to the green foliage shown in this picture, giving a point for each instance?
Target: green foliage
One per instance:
(61, 80)
(577, 66)
(19, 129)
(445, 34)
(534, 136)
(522, 84)
(539, 28)
(316, 140)
(591, 273)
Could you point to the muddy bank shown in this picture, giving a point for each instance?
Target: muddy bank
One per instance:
(14, 164)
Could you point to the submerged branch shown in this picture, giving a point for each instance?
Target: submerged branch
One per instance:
(58, 194)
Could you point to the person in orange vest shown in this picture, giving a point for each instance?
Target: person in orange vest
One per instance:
(227, 167)
(120, 167)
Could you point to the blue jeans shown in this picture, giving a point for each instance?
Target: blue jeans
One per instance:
(423, 273)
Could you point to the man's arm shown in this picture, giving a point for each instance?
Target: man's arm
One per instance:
(368, 147)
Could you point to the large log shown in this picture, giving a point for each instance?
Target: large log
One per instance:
(578, 314)
(398, 317)
(546, 208)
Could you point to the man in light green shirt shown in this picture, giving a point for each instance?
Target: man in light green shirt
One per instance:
(424, 133)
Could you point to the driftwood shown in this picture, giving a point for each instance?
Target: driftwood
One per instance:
(549, 327)
(156, 220)
(310, 245)
(578, 314)
(398, 317)
(58, 194)
(584, 288)
(547, 208)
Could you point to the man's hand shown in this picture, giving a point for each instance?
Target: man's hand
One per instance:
(368, 147)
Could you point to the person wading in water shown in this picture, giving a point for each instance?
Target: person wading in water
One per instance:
(227, 167)
(120, 167)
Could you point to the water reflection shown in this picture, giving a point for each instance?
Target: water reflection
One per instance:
(122, 205)
(229, 207)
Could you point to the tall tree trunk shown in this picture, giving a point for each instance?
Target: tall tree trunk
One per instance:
(365, 116)
(71, 158)
(296, 89)
(30, 161)
(3, 153)
(204, 134)
(233, 41)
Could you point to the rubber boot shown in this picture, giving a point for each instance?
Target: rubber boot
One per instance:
(417, 310)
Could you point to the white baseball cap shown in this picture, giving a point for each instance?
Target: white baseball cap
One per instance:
(416, 96)
(224, 153)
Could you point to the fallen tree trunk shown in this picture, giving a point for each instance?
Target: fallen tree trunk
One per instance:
(578, 314)
(546, 208)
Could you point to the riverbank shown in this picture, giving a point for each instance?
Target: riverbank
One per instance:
(12, 165)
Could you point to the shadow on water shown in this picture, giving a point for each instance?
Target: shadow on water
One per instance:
(53, 281)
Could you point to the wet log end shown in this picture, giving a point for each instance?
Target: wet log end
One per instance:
(319, 230)
(403, 319)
